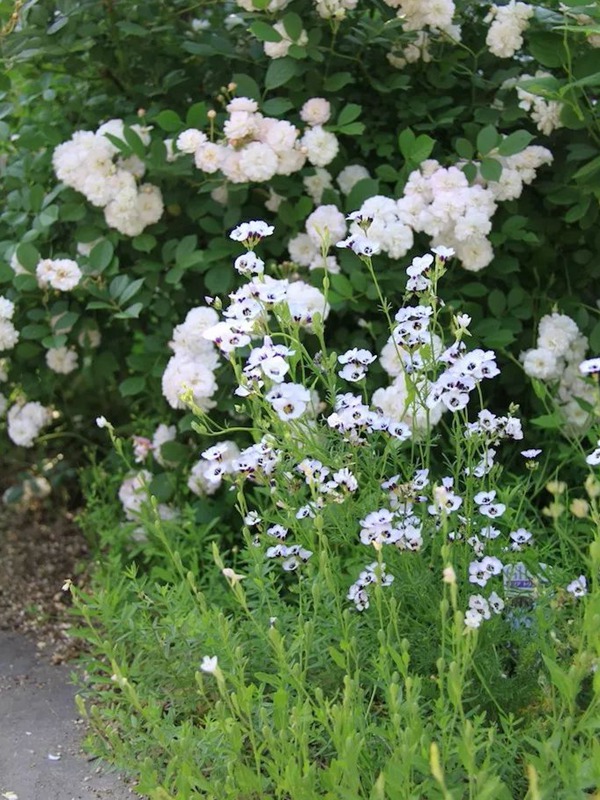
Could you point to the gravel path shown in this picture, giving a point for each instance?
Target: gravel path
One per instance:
(40, 756)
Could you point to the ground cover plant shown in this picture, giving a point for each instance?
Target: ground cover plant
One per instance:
(346, 516)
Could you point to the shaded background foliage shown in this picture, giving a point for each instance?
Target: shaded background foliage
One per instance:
(70, 65)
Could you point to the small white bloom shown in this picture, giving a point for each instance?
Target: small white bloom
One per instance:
(209, 664)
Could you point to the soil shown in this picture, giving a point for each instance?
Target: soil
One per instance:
(38, 552)
(40, 749)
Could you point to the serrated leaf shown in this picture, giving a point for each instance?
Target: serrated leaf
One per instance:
(337, 81)
(196, 116)
(279, 72)
(349, 113)
(134, 141)
(28, 256)
(464, 148)
(293, 25)
(514, 143)
(470, 171)
(246, 86)
(487, 139)
(491, 169)
(131, 290)
(34, 331)
(169, 121)
(118, 285)
(276, 106)
(406, 142)
(422, 148)
(101, 255)
(143, 243)
(132, 386)
(265, 32)
(186, 246)
(162, 486)
(352, 129)
(132, 312)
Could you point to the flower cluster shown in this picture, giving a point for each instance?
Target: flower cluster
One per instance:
(372, 574)
(90, 163)
(416, 15)
(559, 351)
(440, 202)
(25, 422)
(254, 147)
(420, 393)
(545, 113)
(62, 274)
(194, 360)
(247, 313)
(505, 34)
(207, 474)
(9, 335)
(281, 48)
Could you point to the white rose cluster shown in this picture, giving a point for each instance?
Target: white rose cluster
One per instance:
(194, 360)
(518, 170)
(324, 228)
(90, 163)
(9, 335)
(62, 360)
(434, 14)
(438, 201)
(350, 175)
(560, 348)
(281, 48)
(389, 226)
(254, 148)
(545, 113)
(417, 50)
(25, 421)
(505, 35)
(62, 274)
(334, 9)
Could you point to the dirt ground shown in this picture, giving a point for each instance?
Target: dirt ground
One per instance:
(40, 755)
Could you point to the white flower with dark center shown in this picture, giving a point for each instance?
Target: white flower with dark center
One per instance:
(496, 603)
(252, 518)
(250, 233)
(578, 587)
(289, 400)
(533, 453)
(590, 367)
(227, 336)
(249, 264)
(473, 619)
(360, 245)
(594, 457)
(519, 538)
(419, 265)
(489, 532)
(478, 603)
(278, 532)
